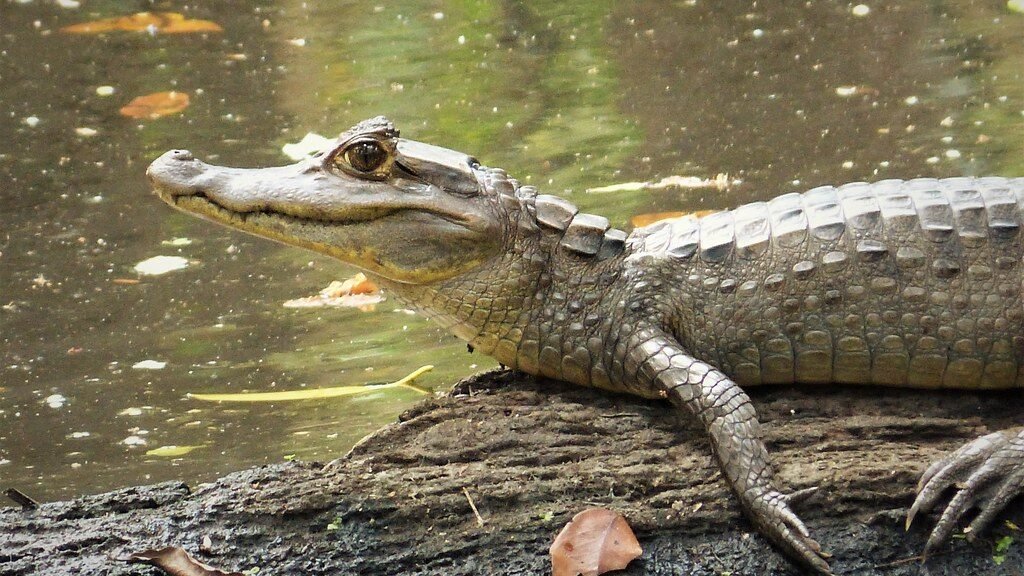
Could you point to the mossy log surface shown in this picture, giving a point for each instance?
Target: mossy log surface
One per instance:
(530, 454)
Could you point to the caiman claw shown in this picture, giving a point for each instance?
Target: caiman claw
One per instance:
(988, 471)
(770, 511)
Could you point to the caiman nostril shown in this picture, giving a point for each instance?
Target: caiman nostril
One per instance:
(182, 155)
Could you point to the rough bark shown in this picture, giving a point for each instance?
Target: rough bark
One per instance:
(531, 453)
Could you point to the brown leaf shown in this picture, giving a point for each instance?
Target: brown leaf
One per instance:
(596, 541)
(176, 562)
(645, 219)
(163, 22)
(156, 105)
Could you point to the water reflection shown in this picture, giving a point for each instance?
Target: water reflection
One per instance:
(564, 95)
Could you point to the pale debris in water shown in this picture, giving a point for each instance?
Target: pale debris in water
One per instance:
(55, 400)
(176, 242)
(719, 182)
(134, 440)
(149, 365)
(861, 10)
(161, 265)
(308, 147)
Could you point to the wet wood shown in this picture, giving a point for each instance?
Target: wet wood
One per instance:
(528, 455)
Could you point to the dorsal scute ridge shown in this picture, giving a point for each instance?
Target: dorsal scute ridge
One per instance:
(582, 234)
(973, 210)
(585, 234)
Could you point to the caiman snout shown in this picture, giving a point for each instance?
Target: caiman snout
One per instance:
(174, 173)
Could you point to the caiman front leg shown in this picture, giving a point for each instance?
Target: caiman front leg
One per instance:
(655, 360)
(988, 472)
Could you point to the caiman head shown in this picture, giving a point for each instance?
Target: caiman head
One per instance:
(409, 212)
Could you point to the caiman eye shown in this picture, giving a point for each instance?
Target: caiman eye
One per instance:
(365, 157)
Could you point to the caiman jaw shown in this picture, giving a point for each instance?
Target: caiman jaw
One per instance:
(420, 221)
(233, 195)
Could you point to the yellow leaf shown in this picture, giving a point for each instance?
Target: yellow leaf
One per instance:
(315, 393)
(156, 105)
(171, 451)
(163, 22)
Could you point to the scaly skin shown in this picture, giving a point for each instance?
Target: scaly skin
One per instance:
(914, 284)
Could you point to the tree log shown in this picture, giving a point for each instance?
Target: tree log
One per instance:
(530, 454)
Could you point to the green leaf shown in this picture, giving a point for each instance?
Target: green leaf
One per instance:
(1002, 545)
(1016, 6)
(171, 451)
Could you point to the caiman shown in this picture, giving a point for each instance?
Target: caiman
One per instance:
(914, 283)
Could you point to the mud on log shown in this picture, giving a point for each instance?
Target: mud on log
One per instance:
(531, 453)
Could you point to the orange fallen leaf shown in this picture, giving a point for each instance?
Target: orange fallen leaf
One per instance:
(358, 284)
(595, 541)
(163, 22)
(176, 562)
(356, 292)
(156, 105)
(645, 219)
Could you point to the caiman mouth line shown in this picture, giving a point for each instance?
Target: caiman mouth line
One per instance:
(221, 212)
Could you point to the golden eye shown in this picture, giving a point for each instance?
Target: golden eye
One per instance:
(366, 156)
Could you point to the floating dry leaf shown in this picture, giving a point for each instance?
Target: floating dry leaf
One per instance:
(316, 393)
(645, 219)
(719, 182)
(356, 292)
(596, 541)
(163, 22)
(176, 562)
(156, 105)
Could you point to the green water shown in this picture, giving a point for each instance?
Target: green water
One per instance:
(568, 96)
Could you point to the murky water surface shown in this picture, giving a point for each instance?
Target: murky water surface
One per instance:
(569, 96)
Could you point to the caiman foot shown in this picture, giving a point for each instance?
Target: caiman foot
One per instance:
(988, 472)
(771, 513)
